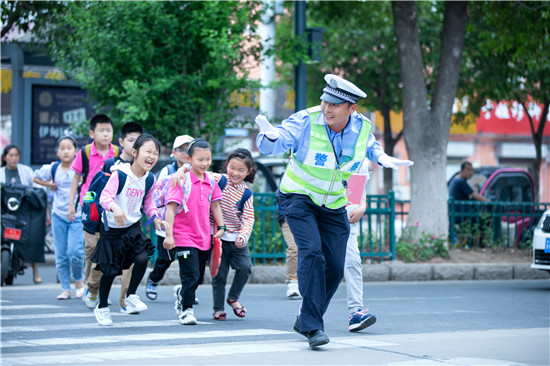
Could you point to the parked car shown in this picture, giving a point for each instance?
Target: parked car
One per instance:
(541, 243)
(505, 184)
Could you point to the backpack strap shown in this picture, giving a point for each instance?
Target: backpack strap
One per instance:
(85, 153)
(223, 182)
(54, 169)
(172, 167)
(121, 181)
(246, 195)
(149, 181)
(116, 150)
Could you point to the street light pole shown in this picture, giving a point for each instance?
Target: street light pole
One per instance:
(300, 70)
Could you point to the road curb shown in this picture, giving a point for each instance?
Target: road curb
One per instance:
(391, 271)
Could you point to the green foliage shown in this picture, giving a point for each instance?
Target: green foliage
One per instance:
(412, 247)
(24, 15)
(168, 65)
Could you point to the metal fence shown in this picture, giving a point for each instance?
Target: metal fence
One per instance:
(506, 224)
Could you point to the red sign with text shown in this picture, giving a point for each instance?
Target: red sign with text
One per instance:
(510, 118)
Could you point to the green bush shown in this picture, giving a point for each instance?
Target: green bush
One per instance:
(412, 247)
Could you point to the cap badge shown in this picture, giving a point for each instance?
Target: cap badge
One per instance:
(333, 83)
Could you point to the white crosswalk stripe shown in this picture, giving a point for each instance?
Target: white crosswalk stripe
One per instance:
(94, 325)
(140, 337)
(194, 350)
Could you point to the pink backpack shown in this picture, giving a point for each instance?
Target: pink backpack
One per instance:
(161, 192)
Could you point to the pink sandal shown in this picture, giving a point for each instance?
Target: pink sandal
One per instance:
(239, 311)
(219, 315)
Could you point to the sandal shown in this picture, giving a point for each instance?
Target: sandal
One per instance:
(240, 311)
(65, 295)
(219, 315)
(36, 278)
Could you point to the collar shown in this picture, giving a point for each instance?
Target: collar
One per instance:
(194, 178)
(93, 149)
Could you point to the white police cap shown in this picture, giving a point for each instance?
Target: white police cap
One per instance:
(339, 91)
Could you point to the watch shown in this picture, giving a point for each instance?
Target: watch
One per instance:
(224, 227)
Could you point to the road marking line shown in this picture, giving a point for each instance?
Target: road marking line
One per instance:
(139, 337)
(111, 356)
(64, 327)
(28, 307)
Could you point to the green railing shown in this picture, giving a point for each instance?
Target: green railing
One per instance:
(376, 237)
(507, 224)
(497, 223)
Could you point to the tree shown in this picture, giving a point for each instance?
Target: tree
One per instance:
(427, 116)
(24, 15)
(507, 58)
(365, 52)
(168, 65)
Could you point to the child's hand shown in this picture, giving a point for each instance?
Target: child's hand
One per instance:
(53, 186)
(161, 225)
(179, 175)
(356, 214)
(119, 215)
(169, 243)
(239, 242)
(219, 233)
(70, 213)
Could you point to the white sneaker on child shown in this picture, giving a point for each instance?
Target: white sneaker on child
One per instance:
(188, 317)
(133, 302)
(103, 316)
(292, 290)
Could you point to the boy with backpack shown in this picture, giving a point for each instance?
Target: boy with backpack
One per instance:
(165, 257)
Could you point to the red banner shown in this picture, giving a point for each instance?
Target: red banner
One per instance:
(510, 118)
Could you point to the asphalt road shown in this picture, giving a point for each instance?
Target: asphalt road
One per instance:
(419, 323)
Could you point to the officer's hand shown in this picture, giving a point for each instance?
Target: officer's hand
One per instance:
(390, 162)
(266, 128)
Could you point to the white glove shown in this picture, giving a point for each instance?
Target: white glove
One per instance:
(266, 128)
(390, 162)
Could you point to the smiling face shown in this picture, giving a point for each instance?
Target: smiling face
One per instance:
(237, 170)
(66, 151)
(200, 161)
(180, 153)
(337, 115)
(12, 159)
(145, 158)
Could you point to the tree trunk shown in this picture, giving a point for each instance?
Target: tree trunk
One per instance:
(426, 124)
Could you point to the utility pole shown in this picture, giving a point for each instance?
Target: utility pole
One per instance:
(267, 66)
(300, 70)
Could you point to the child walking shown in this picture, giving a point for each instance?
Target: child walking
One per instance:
(239, 168)
(188, 219)
(67, 235)
(128, 189)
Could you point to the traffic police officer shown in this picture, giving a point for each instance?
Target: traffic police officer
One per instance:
(328, 143)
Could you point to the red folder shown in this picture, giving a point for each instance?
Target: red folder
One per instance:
(215, 256)
(356, 184)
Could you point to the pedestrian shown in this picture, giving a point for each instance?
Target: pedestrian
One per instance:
(291, 257)
(328, 144)
(12, 172)
(460, 190)
(90, 160)
(360, 317)
(126, 192)
(67, 236)
(187, 214)
(238, 168)
(127, 136)
(164, 257)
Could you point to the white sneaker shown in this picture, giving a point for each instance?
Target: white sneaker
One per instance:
(134, 303)
(91, 300)
(103, 316)
(292, 289)
(128, 310)
(188, 317)
(177, 302)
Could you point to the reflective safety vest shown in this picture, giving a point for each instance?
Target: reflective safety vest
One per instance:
(319, 175)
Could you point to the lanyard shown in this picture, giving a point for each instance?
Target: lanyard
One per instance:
(338, 156)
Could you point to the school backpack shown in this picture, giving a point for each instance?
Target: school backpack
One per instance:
(161, 192)
(54, 169)
(85, 155)
(246, 195)
(92, 210)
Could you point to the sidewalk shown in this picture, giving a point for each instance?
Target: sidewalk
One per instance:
(391, 271)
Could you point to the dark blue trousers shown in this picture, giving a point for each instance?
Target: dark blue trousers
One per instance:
(321, 235)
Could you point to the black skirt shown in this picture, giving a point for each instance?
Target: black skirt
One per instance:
(117, 248)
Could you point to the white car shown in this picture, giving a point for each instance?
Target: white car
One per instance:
(541, 243)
